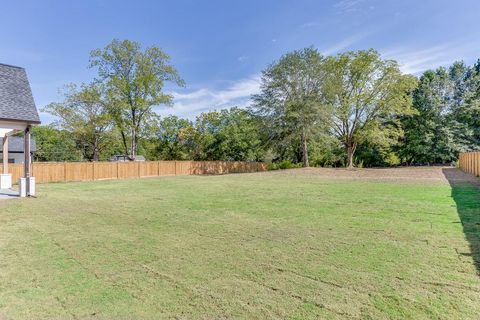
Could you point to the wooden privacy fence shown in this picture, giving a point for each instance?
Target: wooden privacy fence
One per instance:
(90, 171)
(470, 162)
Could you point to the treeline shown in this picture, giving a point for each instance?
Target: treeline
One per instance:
(355, 108)
(227, 135)
(447, 116)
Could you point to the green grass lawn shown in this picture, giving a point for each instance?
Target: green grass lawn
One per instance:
(286, 245)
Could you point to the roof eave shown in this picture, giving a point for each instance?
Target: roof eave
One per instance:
(21, 121)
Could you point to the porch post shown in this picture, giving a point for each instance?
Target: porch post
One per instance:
(5, 154)
(27, 158)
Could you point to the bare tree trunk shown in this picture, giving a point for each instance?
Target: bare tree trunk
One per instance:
(124, 140)
(133, 149)
(350, 152)
(306, 162)
(95, 150)
(95, 153)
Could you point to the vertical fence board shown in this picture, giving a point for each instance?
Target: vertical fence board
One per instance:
(105, 170)
(127, 170)
(16, 170)
(148, 168)
(183, 168)
(49, 172)
(167, 168)
(81, 171)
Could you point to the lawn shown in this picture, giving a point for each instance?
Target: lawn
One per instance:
(296, 244)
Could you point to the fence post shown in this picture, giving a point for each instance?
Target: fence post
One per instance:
(477, 154)
(475, 164)
(470, 158)
(471, 161)
(117, 169)
(93, 171)
(474, 156)
(467, 163)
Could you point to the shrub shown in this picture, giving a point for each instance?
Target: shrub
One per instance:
(272, 166)
(285, 164)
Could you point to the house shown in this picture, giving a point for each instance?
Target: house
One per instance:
(17, 114)
(16, 149)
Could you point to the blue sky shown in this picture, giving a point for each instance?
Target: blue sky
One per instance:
(220, 47)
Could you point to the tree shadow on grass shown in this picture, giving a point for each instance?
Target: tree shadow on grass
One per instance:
(466, 193)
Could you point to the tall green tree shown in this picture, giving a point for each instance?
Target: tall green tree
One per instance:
(465, 111)
(54, 145)
(170, 145)
(291, 101)
(367, 95)
(241, 135)
(134, 79)
(83, 113)
(229, 135)
(428, 133)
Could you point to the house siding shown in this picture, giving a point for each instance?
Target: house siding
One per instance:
(17, 157)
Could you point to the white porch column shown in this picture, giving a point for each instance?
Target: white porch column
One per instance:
(5, 177)
(5, 154)
(27, 158)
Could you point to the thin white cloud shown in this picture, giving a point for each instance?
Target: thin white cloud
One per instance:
(192, 103)
(242, 58)
(344, 44)
(311, 24)
(415, 61)
(347, 5)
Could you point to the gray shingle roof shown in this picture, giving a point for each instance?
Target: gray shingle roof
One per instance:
(16, 100)
(15, 144)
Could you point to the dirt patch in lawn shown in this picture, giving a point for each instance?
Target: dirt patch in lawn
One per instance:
(403, 174)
